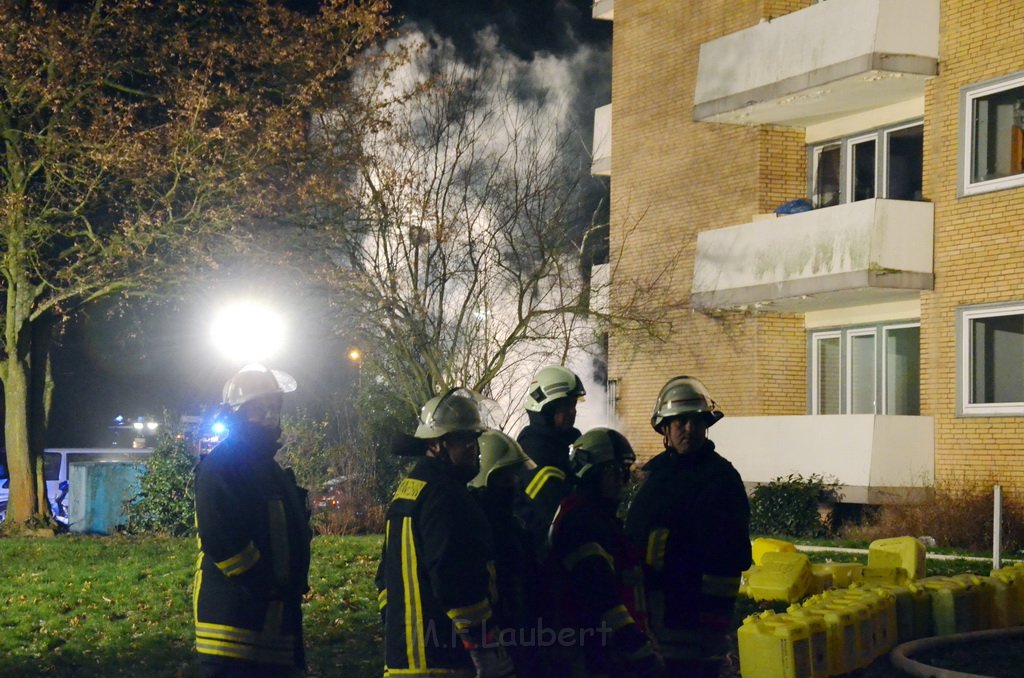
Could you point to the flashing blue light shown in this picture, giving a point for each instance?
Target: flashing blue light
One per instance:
(218, 428)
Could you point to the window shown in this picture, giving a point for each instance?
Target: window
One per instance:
(862, 169)
(826, 175)
(825, 377)
(871, 369)
(51, 466)
(991, 360)
(902, 368)
(992, 120)
(883, 163)
(860, 373)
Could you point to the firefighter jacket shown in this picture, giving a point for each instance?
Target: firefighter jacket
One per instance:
(436, 577)
(254, 546)
(691, 516)
(597, 580)
(548, 484)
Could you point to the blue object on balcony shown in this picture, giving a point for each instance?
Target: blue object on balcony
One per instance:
(794, 207)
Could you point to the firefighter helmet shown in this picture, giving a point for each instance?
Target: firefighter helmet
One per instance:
(552, 383)
(498, 451)
(254, 381)
(458, 409)
(599, 446)
(683, 396)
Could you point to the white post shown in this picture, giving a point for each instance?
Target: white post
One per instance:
(997, 526)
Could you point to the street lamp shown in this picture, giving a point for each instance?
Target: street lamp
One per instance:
(356, 356)
(247, 332)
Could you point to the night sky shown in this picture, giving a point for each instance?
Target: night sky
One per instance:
(149, 359)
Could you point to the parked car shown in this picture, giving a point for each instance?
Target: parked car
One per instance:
(55, 471)
(331, 495)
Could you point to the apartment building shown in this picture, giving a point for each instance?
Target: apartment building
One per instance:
(877, 338)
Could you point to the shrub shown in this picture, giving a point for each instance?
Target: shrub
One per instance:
(165, 503)
(789, 506)
(349, 513)
(957, 513)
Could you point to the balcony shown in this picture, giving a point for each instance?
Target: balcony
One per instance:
(876, 459)
(822, 62)
(601, 160)
(859, 253)
(603, 9)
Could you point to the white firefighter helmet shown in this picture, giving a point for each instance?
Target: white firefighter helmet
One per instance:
(552, 383)
(683, 396)
(458, 409)
(255, 381)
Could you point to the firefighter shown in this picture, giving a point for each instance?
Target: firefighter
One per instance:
(436, 580)
(551, 408)
(596, 568)
(692, 517)
(254, 539)
(496, 487)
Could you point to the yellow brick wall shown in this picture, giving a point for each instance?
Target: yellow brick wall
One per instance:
(670, 181)
(672, 178)
(979, 243)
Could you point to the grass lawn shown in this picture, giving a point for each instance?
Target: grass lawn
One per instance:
(119, 606)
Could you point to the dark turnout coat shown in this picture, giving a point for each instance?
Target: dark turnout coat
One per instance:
(254, 541)
(436, 576)
(691, 516)
(547, 485)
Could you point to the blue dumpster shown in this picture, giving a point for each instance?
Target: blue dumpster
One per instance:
(98, 492)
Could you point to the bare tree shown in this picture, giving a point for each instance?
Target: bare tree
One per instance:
(467, 259)
(131, 131)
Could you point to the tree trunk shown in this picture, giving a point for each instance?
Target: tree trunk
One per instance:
(23, 503)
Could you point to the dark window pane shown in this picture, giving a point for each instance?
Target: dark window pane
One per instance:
(997, 357)
(51, 466)
(826, 180)
(906, 147)
(998, 122)
(863, 170)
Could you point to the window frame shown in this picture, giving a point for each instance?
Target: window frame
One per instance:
(884, 376)
(815, 338)
(968, 95)
(964, 345)
(846, 143)
(814, 163)
(848, 163)
(869, 331)
(879, 331)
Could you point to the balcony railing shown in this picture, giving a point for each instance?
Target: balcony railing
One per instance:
(876, 459)
(601, 162)
(853, 254)
(825, 61)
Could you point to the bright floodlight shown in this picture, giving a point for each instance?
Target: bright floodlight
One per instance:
(247, 332)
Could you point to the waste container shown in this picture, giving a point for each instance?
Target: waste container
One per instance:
(97, 493)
